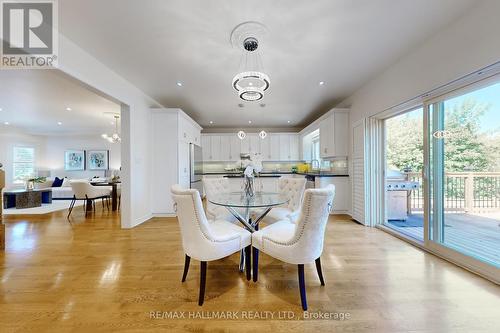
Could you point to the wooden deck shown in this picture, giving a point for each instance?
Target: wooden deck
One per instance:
(474, 235)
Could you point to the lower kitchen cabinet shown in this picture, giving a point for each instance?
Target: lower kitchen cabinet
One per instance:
(342, 200)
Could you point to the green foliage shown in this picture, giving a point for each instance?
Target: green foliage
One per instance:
(466, 148)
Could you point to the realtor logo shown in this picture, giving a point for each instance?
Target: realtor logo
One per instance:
(29, 34)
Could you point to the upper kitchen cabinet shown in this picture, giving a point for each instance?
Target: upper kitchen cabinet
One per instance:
(289, 147)
(188, 130)
(334, 134)
(234, 147)
(227, 147)
(274, 147)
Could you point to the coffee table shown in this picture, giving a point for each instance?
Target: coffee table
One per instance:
(26, 198)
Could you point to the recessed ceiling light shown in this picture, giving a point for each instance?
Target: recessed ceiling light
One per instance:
(250, 83)
(249, 121)
(321, 83)
(59, 123)
(289, 121)
(6, 123)
(68, 109)
(211, 122)
(179, 83)
(1, 109)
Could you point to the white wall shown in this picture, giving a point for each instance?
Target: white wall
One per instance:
(10, 139)
(467, 45)
(55, 146)
(136, 152)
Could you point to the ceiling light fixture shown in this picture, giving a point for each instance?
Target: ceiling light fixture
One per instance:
(242, 135)
(59, 123)
(249, 121)
(1, 109)
(6, 123)
(289, 121)
(211, 122)
(179, 84)
(251, 81)
(321, 83)
(68, 109)
(115, 137)
(262, 135)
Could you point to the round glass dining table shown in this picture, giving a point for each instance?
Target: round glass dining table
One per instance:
(241, 206)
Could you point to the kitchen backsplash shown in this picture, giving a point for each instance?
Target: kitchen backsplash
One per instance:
(336, 166)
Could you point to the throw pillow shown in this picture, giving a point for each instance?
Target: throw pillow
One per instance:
(57, 182)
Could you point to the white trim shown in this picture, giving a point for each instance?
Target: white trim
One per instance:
(163, 215)
(138, 221)
(463, 81)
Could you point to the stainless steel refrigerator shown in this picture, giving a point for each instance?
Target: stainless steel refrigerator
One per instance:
(196, 167)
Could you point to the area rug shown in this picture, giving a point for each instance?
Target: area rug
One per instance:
(55, 206)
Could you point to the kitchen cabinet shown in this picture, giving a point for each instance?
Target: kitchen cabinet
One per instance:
(206, 147)
(342, 200)
(334, 134)
(284, 147)
(254, 141)
(225, 148)
(234, 148)
(187, 131)
(289, 147)
(274, 147)
(171, 133)
(215, 148)
(265, 148)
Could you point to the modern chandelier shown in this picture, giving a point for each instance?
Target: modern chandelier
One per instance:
(115, 137)
(251, 82)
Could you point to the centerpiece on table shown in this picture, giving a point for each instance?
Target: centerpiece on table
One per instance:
(252, 166)
(30, 182)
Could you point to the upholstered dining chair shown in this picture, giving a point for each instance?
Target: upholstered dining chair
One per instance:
(300, 243)
(85, 191)
(205, 241)
(214, 186)
(293, 189)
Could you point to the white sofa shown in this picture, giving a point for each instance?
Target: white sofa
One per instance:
(65, 192)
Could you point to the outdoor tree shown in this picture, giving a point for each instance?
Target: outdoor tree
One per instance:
(465, 146)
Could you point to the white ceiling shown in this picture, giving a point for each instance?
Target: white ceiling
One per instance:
(34, 101)
(156, 43)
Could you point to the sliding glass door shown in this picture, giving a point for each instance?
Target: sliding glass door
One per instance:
(463, 161)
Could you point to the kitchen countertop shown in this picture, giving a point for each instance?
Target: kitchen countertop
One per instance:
(279, 173)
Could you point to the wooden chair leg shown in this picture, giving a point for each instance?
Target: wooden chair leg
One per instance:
(203, 279)
(320, 272)
(102, 202)
(186, 267)
(302, 287)
(255, 260)
(248, 266)
(255, 264)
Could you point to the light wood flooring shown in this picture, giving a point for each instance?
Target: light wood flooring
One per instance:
(92, 276)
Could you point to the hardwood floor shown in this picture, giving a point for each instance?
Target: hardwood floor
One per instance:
(91, 276)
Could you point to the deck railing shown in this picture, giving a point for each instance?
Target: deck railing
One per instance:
(477, 192)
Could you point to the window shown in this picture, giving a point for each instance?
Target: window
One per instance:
(24, 164)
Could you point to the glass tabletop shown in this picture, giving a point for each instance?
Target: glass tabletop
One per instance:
(240, 200)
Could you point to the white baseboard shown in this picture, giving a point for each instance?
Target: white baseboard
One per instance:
(164, 215)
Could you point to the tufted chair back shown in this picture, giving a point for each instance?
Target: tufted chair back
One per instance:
(214, 186)
(306, 243)
(293, 189)
(198, 240)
